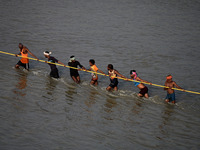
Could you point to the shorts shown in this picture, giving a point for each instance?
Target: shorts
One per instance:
(94, 79)
(26, 66)
(54, 73)
(144, 91)
(114, 82)
(74, 74)
(170, 97)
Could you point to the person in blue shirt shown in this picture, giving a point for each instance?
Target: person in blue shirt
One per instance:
(141, 86)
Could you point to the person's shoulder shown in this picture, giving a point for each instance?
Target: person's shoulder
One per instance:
(51, 57)
(173, 82)
(95, 67)
(24, 47)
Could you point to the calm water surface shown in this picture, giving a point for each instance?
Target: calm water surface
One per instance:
(154, 37)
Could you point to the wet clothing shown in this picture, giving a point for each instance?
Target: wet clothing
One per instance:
(54, 70)
(52, 60)
(113, 80)
(136, 83)
(74, 72)
(94, 75)
(170, 97)
(144, 91)
(54, 73)
(25, 65)
(112, 74)
(24, 62)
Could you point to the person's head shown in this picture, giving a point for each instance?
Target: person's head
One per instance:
(169, 78)
(72, 59)
(110, 67)
(20, 45)
(133, 73)
(91, 62)
(47, 54)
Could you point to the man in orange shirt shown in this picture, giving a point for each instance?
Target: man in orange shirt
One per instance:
(24, 62)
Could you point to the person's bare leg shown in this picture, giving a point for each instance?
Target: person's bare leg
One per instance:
(167, 100)
(140, 95)
(115, 88)
(78, 79)
(91, 82)
(75, 80)
(96, 83)
(109, 88)
(17, 66)
(146, 95)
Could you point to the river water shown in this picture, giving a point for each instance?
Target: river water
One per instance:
(154, 37)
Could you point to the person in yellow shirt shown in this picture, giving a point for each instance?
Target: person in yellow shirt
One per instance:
(93, 67)
(24, 62)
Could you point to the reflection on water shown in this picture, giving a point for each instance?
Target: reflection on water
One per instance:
(91, 100)
(168, 111)
(109, 105)
(137, 108)
(50, 85)
(21, 85)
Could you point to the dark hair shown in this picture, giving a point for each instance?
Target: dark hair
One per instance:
(110, 66)
(92, 61)
(47, 52)
(132, 71)
(20, 44)
(72, 56)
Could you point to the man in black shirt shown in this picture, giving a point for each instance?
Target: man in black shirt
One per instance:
(74, 72)
(54, 70)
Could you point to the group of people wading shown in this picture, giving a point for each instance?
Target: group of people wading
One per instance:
(113, 73)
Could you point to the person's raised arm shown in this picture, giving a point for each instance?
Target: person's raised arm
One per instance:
(101, 72)
(138, 78)
(32, 54)
(81, 66)
(17, 54)
(177, 85)
(120, 75)
(61, 63)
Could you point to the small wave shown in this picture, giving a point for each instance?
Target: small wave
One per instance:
(37, 72)
(72, 85)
